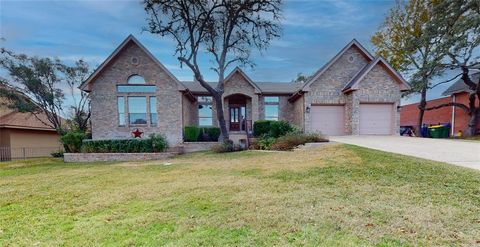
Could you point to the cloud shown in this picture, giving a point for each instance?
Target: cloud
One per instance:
(323, 14)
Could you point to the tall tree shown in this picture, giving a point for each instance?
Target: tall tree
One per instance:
(404, 41)
(36, 85)
(224, 29)
(461, 45)
(80, 109)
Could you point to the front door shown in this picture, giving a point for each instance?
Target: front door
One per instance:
(237, 118)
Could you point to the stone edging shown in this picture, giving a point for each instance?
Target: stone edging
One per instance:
(95, 157)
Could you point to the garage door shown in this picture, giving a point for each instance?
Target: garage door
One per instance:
(329, 120)
(376, 119)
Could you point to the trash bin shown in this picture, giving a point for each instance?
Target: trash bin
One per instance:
(436, 131)
(424, 131)
(446, 130)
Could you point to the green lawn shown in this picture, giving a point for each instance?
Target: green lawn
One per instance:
(336, 196)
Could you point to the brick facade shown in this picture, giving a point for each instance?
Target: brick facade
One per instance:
(176, 106)
(105, 123)
(409, 113)
(377, 86)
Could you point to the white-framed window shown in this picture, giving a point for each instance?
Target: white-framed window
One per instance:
(271, 107)
(121, 110)
(205, 111)
(153, 111)
(137, 110)
(138, 100)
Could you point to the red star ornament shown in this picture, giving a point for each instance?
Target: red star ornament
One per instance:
(137, 133)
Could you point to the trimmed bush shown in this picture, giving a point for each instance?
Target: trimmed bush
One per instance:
(72, 141)
(155, 143)
(271, 128)
(159, 143)
(261, 127)
(212, 132)
(192, 133)
(202, 134)
(292, 140)
(279, 128)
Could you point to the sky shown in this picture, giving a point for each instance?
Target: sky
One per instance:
(313, 32)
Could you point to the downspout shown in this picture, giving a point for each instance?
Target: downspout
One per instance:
(453, 117)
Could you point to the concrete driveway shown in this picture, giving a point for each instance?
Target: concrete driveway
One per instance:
(456, 152)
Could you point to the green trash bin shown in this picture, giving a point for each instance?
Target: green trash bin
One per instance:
(436, 131)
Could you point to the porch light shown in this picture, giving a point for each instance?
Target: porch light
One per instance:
(308, 109)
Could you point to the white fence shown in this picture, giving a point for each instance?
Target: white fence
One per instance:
(7, 153)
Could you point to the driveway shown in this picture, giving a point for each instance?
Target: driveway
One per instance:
(456, 152)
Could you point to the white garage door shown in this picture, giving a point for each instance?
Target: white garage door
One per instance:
(376, 119)
(329, 120)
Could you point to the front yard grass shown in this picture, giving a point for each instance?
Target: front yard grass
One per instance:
(339, 195)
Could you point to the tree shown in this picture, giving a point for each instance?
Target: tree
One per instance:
(301, 78)
(36, 86)
(80, 110)
(460, 44)
(403, 39)
(225, 30)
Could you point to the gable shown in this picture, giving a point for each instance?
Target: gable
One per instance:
(353, 47)
(378, 78)
(237, 79)
(340, 71)
(382, 72)
(130, 56)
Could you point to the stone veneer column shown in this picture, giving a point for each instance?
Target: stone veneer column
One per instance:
(355, 114)
(255, 111)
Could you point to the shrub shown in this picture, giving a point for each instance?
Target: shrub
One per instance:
(272, 128)
(292, 140)
(155, 143)
(159, 142)
(57, 154)
(265, 142)
(279, 128)
(192, 133)
(226, 146)
(72, 141)
(212, 132)
(261, 127)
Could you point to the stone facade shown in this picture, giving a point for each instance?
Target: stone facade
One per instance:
(177, 107)
(96, 157)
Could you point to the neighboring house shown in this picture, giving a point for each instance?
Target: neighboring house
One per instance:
(354, 93)
(22, 135)
(458, 92)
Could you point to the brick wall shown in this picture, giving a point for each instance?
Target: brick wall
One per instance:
(409, 113)
(105, 124)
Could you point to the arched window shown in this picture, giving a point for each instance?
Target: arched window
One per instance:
(135, 79)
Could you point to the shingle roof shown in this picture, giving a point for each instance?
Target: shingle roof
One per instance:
(460, 86)
(12, 119)
(265, 87)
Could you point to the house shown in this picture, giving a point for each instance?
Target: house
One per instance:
(458, 92)
(355, 93)
(22, 135)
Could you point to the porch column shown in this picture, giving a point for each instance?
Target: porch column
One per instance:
(255, 111)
